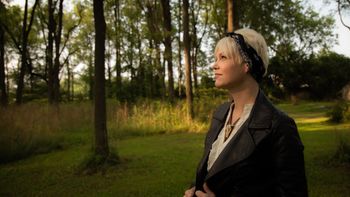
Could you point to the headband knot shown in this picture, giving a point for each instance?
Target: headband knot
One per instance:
(249, 55)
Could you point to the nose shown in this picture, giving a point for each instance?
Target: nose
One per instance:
(214, 65)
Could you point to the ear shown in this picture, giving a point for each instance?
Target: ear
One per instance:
(246, 67)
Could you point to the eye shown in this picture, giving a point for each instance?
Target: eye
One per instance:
(223, 57)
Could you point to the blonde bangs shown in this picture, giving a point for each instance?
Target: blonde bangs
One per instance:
(228, 47)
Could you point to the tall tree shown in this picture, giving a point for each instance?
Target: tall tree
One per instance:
(118, 67)
(187, 49)
(54, 39)
(49, 55)
(199, 23)
(168, 48)
(24, 52)
(155, 41)
(84, 41)
(101, 139)
(194, 49)
(3, 91)
(179, 70)
(230, 12)
(232, 15)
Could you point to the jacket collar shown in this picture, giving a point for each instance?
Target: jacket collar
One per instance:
(246, 138)
(259, 117)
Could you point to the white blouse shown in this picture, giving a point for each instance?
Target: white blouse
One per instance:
(219, 144)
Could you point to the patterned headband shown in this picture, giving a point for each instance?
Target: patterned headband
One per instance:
(249, 55)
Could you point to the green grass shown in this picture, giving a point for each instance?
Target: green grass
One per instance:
(159, 165)
(164, 164)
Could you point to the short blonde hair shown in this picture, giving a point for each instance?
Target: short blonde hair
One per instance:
(229, 48)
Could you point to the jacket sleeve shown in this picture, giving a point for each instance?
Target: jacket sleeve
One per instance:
(288, 160)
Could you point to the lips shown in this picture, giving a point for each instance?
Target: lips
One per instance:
(217, 75)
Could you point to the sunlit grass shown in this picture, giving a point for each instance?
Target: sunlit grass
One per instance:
(312, 120)
(151, 164)
(38, 128)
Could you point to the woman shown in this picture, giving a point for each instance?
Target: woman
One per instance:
(251, 148)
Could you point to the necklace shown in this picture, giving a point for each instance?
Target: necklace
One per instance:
(229, 128)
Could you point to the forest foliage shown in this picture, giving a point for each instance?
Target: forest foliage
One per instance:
(49, 53)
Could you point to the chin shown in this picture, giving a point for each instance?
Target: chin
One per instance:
(220, 86)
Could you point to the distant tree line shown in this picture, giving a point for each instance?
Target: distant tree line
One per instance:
(47, 48)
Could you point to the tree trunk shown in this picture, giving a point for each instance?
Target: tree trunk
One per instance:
(118, 68)
(229, 15)
(187, 49)
(91, 77)
(20, 84)
(160, 71)
(68, 82)
(236, 19)
(50, 37)
(168, 48)
(179, 52)
(101, 140)
(24, 52)
(232, 15)
(54, 82)
(56, 67)
(152, 24)
(3, 92)
(109, 71)
(194, 47)
(72, 85)
(144, 88)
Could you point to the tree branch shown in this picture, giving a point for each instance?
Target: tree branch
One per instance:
(31, 17)
(69, 33)
(13, 38)
(340, 15)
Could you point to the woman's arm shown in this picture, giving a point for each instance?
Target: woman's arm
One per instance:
(288, 159)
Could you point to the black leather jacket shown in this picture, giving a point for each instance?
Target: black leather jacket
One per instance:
(264, 158)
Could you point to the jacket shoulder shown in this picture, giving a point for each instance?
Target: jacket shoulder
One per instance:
(221, 111)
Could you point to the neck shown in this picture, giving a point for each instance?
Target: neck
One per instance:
(245, 94)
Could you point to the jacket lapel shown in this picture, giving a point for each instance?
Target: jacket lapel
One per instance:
(219, 120)
(247, 137)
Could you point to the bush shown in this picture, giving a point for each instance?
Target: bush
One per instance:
(340, 112)
(342, 153)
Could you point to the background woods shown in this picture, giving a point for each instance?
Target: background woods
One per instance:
(51, 54)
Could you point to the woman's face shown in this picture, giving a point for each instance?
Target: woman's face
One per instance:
(228, 74)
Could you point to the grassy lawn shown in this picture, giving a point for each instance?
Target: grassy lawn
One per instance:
(164, 164)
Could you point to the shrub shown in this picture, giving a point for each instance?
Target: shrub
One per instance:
(342, 153)
(340, 112)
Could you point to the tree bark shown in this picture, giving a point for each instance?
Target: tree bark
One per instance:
(24, 51)
(3, 91)
(20, 84)
(91, 76)
(179, 52)
(236, 18)
(187, 49)
(194, 47)
(168, 48)
(232, 15)
(57, 65)
(69, 73)
(152, 24)
(109, 69)
(101, 139)
(49, 57)
(118, 68)
(229, 15)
